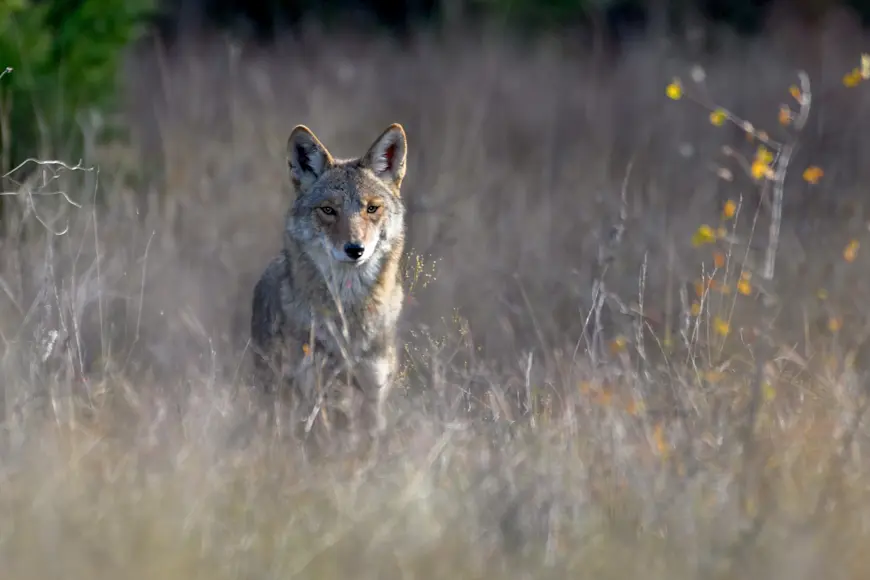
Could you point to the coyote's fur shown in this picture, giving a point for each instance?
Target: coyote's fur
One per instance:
(331, 299)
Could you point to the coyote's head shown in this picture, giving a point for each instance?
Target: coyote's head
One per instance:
(347, 213)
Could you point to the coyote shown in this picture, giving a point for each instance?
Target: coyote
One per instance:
(332, 298)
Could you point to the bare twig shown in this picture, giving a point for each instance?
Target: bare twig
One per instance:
(779, 180)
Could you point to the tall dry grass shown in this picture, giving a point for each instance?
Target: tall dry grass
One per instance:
(515, 450)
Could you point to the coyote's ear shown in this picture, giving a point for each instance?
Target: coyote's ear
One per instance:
(307, 157)
(386, 156)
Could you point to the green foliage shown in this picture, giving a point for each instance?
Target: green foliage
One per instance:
(65, 56)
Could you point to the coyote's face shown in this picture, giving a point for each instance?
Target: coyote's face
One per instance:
(347, 213)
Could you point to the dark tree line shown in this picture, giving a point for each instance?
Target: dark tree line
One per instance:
(264, 18)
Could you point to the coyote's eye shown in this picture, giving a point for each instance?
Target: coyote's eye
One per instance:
(373, 208)
(327, 210)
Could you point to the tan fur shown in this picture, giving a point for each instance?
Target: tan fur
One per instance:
(314, 298)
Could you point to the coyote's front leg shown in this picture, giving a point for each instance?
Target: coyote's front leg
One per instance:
(374, 378)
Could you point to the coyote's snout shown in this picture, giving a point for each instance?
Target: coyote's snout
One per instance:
(334, 293)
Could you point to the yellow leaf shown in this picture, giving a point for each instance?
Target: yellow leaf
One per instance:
(729, 210)
(721, 327)
(744, 287)
(750, 506)
(704, 235)
(674, 90)
(618, 344)
(795, 93)
(718, 117)
(714, 376)
(635, 407)
(761, 169)
(764, 155)
(659, 439)
(851, 251)
(784, 115)
(853, 79)
(813, 174)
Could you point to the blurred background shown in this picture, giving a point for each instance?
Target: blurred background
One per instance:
(599, 378)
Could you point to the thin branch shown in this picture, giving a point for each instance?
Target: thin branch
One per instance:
(779, 180)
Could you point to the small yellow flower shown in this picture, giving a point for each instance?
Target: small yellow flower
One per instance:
(675, 90)
(721, 327)
(784, 115)
(696, 309)
(813, 174)
(853, 79)
(795, 93)
(306, 349)
(719, 259)
(822, 294)
(834, 324)
(729, 210)
(721, 232)
(851, 251)
(865, 66)
(718, 117)
(704, 235)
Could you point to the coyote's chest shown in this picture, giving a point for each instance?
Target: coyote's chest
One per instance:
(350, 319)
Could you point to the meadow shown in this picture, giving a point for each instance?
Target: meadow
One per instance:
(603, 375)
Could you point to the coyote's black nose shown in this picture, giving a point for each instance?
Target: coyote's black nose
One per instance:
(354, 251)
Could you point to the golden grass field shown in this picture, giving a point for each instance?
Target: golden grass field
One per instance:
(544, 428)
